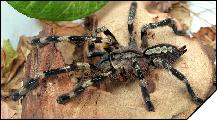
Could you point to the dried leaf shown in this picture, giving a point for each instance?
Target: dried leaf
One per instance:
(181, 12)
(207, 35)
(3, 62)
(14, 63)
(11, 55)
(23, 48)
(12, 79)
(160, 6)
(3, 58)
(6, 111)
(176, 9)
(15, 83)
(18, 62)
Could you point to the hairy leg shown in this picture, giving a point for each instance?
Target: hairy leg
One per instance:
(131, 17)
(180, 76)
(167, 22)
(108, 46)
(143, 85)
(81, 87)
(32, 83)
(75, 39)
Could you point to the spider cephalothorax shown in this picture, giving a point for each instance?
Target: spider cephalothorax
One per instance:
(116, 60)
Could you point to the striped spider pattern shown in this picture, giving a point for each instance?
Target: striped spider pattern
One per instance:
(116, 60)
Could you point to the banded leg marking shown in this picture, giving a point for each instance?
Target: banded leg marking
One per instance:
(92, 52)
(167, 22)
(80, 88)
(109, 34)
(180, 76)
(29, 85)
(143, 85)
(107, 44)
(131, 17)
(78, 39)
(34, 82)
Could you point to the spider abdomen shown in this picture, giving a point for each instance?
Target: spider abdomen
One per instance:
(164, 51)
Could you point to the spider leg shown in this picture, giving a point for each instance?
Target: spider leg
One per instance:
(75, 39)
(29, 85)
(106, 31)
(123, 73)
(92, 52)
(180, 76)
(132, 44)
(95, 53)
(167, 22)
(32, 83)
(131, 17)
(109, 34)
(108, 46)
(80, 88)
(143, 85)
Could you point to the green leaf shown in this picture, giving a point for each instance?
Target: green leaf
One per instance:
(57, 10)
(11, 55)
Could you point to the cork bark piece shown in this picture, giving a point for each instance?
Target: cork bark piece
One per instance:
(41, 103)
(169, 97)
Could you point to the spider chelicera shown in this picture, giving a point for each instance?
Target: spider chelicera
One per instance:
(116, 60)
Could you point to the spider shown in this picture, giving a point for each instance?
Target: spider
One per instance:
(116, 60)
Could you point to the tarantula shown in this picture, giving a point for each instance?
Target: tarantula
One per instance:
(116, 60)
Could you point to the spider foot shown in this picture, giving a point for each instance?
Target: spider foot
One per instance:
(63, 99)
(149, 106)
(198, 101)
(15, 95)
